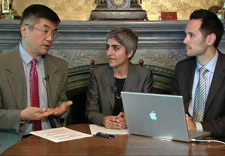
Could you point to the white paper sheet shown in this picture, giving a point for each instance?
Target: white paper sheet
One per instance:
(95, 128)
(60, 134)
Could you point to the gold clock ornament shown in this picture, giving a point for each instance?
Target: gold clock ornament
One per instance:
(118, 4)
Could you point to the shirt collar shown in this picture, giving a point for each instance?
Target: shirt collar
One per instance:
(211, 65)
(26, 57)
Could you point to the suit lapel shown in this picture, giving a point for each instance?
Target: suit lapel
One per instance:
(51, 72)
(108, 81)
(217, 80)
(187, 81)
(131, 78)
(128, 85)
(16, 78)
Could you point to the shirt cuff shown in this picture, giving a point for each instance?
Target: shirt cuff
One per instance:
(198, 126)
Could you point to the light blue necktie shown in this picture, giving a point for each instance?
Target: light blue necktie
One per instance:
(200, 96)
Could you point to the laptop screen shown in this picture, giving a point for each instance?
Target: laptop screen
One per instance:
(155, 115)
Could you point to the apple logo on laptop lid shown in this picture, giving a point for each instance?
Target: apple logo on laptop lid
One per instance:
(153, 115)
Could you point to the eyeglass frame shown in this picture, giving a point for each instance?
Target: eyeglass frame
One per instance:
(53, 34)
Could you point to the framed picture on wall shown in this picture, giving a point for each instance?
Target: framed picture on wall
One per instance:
(168, 15)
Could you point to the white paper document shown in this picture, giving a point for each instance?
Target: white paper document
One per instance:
(60, 134)
(95, 128)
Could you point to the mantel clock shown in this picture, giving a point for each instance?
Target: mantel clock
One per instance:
(118, 4)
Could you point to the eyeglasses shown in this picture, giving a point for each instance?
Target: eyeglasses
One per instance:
(45, 32)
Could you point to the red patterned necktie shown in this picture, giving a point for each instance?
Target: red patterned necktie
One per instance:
(35, 92)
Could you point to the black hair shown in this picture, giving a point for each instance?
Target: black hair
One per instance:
(36, 11)
(210, 24)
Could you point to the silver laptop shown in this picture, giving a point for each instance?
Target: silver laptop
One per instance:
(157, 115)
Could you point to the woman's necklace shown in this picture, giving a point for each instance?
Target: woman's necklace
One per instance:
(119, 83)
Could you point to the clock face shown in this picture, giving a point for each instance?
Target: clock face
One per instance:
(119, 3)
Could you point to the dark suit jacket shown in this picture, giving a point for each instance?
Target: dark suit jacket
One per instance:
(214, 116)
(100, 93)
(13, 91)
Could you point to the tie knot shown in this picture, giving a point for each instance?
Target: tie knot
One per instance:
(202, 70)
(34, 62)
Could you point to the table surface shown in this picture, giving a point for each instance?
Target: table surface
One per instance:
(121, 145)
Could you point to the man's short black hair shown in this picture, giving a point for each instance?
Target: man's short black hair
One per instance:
(36, 11)
(210, 24)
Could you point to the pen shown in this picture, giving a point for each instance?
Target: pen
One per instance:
(105, 135)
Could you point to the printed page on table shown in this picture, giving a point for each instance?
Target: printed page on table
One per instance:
(60, 134)
(95, 129)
